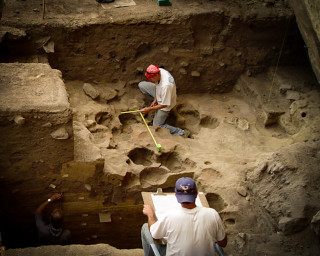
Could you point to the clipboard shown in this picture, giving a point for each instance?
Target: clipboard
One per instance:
(165, 201)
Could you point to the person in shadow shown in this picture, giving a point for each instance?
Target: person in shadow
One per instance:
(53, 233)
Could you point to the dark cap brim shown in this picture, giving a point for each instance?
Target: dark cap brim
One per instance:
(186, 198)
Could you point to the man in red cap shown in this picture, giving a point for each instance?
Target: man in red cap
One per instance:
(162, 89)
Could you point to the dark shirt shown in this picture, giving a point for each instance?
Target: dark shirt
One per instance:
(46, 238)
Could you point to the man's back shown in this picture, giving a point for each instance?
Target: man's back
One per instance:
(48, 235)
(189, 231)
(166, 90)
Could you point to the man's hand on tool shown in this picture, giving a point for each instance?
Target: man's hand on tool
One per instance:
(145, 110)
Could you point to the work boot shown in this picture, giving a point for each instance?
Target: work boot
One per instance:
(186, 133)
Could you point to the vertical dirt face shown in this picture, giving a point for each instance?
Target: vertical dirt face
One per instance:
(200, 51)
(241, 145)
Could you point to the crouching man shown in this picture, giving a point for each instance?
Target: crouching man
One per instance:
(188, 230)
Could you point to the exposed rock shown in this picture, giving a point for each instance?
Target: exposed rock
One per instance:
(140, 69)
(297, 105)
(307, 16)
(90, 91)
(195, 73)
(293, 95)
(88, 187)
(90, 123)
(52, 186)
(165, 49)
(286, 193)
(289, 225)
(11, 33)
(37, 89)
(84, 148)
(183, 71)
(315, 223)
(49, 47)
(242, 235)
(47, 125)
(108, 94)
(240, 241)
(19, 120)
(275, 167)
(184, 64)
(60, 134)
(237, 87)
(242, 191)
(284, 88)
(115, 164)
(105, 217)
(240, 123)
(97, 128)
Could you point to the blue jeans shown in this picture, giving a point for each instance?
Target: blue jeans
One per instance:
(147, 239)
(160, 116)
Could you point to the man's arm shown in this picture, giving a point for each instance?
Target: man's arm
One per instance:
(42, 206)
(223, 242)
(155, 107)
(149, 212)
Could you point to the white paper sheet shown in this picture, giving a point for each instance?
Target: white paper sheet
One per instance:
(164, 203)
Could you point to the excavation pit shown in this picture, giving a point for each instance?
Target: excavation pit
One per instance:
(59, 134)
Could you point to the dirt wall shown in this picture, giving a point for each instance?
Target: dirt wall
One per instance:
(307, 14)
(206, 47)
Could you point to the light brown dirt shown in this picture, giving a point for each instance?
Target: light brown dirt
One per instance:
(262, 180)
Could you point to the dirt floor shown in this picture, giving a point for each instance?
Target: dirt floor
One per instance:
(253, 150)
(249, 171)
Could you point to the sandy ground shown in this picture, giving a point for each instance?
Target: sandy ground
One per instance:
(234, 158)
(262, 180)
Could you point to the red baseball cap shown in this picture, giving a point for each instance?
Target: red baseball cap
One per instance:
(152, 71)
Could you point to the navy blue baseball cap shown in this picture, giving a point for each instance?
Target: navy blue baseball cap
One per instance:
(186, 190)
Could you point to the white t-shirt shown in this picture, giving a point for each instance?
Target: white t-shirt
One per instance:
(166, 90)
(189, 232)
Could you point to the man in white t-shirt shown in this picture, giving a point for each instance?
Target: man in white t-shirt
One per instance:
(162, 89)
(189, 230)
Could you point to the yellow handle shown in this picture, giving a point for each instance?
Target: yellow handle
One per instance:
(132, 111)
(148, 129)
